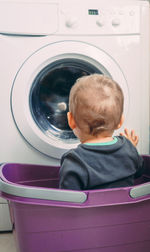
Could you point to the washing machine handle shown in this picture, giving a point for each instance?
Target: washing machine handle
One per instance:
(42, 193)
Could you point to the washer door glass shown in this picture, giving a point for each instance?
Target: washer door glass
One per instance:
(49, 96)
(40, 92)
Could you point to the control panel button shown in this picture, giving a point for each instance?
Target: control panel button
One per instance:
(71, 23)
(100, 22)
(116, 22)
(121, 12)
(131, 13)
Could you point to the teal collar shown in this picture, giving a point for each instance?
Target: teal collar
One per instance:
(105, 143)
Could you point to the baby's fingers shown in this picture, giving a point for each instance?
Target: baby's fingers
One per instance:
(134, 137)
(127, 133)
(131, 136)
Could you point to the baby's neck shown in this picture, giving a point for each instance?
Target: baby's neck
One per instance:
(97, 139)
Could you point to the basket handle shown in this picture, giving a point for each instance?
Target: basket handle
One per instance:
(140, 190)
(43, 193)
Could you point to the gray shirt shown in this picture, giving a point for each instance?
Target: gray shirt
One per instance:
(107, 165)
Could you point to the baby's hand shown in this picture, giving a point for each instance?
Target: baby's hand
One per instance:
(131, 136)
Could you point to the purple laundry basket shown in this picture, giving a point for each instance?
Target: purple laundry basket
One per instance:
(52, 220)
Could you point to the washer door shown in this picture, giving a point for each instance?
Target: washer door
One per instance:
(40, 92)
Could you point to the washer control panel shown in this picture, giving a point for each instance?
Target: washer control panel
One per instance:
(99, 19)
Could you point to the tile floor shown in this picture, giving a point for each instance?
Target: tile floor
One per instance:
(7, 242)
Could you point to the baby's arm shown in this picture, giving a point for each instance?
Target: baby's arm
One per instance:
(131, 136)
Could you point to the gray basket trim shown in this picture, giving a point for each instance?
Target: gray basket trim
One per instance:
(139, 191)
(43, 193)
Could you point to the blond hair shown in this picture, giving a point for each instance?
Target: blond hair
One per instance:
(96, 103)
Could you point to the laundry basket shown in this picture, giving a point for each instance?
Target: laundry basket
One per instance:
(48, 219)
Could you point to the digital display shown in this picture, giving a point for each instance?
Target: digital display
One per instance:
(92, 12)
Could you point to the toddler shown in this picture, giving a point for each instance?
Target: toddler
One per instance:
(101, 160)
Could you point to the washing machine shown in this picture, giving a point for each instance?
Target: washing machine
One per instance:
(44, 47)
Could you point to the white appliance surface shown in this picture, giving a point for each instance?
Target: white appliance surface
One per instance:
(39, 37)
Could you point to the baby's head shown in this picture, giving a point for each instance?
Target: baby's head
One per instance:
(96, 104)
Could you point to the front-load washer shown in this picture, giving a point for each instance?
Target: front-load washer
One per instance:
(45, 47)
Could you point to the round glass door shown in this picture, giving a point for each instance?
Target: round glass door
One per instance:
(40, 92)
(49, 96)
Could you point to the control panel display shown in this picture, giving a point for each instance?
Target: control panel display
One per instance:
(93, 12)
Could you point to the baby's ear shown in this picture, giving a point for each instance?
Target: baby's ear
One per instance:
(71, 121)
(121, 122)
